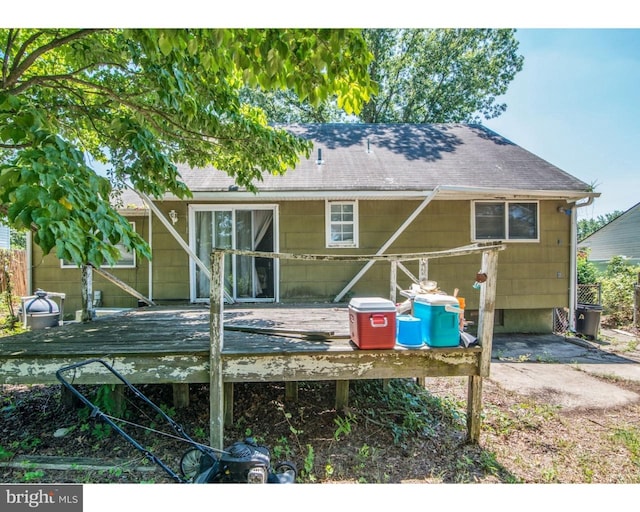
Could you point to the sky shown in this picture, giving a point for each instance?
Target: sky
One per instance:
(576, 103)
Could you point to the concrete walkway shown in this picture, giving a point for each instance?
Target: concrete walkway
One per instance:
(568, 372)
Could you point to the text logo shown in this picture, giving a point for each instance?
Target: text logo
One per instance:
(46, 498)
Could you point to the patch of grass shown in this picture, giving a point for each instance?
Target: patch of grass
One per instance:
(545, 357)
(630, 439)
(520, 416)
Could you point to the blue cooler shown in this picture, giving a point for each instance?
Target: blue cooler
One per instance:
(440, 319)
(408, 331)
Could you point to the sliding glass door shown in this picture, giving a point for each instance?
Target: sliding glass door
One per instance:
(247, 278)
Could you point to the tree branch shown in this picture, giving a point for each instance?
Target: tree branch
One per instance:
(19, 68)
(7, 51)
(14, 146)
(36, 80)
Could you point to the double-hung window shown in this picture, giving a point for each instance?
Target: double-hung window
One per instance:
(341, 223)
(506, 220)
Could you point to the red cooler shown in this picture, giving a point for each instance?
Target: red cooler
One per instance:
(372, 323)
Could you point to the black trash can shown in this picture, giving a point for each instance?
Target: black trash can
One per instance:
(588, 320)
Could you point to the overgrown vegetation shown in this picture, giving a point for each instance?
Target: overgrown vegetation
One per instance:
(9, 319)
(393, 431)
(617, 282)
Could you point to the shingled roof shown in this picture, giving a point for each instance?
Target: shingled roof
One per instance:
(405, 157)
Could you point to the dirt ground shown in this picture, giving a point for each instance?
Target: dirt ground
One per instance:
(391, 433)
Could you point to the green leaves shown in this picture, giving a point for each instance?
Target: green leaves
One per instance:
(440, 75)
(144, 100)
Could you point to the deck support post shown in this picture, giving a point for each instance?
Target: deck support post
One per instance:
(117, 395)
(291, 391)
(342, 394)
(486, 316)
(216, 340)
(228, 403)
(474, 408)
(180, 395)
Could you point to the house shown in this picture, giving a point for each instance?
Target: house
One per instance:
(365, 189)
(617, 238)
(5, 237)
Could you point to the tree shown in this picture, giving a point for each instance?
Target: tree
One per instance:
(423, 76)
(140, 101)
(440, 75)
(586, 270)
(587, 227)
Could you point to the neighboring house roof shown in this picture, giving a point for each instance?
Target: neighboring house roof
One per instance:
(620, 237)
(401, 158)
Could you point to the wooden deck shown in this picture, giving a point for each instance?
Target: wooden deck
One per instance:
(180, 346)
(172, 345)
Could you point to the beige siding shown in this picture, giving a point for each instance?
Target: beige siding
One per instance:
(48, 275)
(532, 276)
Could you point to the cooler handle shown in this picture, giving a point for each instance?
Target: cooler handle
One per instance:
(453, 309)
(376, 320)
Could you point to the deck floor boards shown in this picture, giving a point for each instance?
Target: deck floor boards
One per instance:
(172, 344)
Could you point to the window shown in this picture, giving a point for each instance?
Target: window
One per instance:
(253, 228)
(342, 224)
(505, 220)
(127, 258)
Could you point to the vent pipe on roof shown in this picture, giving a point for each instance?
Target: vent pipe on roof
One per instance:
(368, 146)
(319, 161)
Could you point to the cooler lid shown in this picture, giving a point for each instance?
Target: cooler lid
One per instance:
(371, 304)
(436, 299)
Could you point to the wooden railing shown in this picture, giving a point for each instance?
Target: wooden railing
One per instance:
(489, 266)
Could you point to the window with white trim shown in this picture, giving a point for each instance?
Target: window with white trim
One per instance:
(506, 220)
(341, 223)
(127, 258)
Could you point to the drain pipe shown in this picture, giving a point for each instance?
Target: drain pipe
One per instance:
(573, 260)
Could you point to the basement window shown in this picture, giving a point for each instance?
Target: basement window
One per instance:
(341, 223)
(505, 220)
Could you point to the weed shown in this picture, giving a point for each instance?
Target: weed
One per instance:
(328, 470)
(31, 476)
(97, 430)
(199, 433)
(5, 454)
(365, 451)
(108, 399)
(169, 411)
(550, 475)
(309, 462)
(489, 462)
(409, 409)
(344, 425)
(101, 431)
(282, 449)
(117, 472)
(26, 445)
(545, 357)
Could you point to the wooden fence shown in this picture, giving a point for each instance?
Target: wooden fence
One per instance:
(13, 272)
